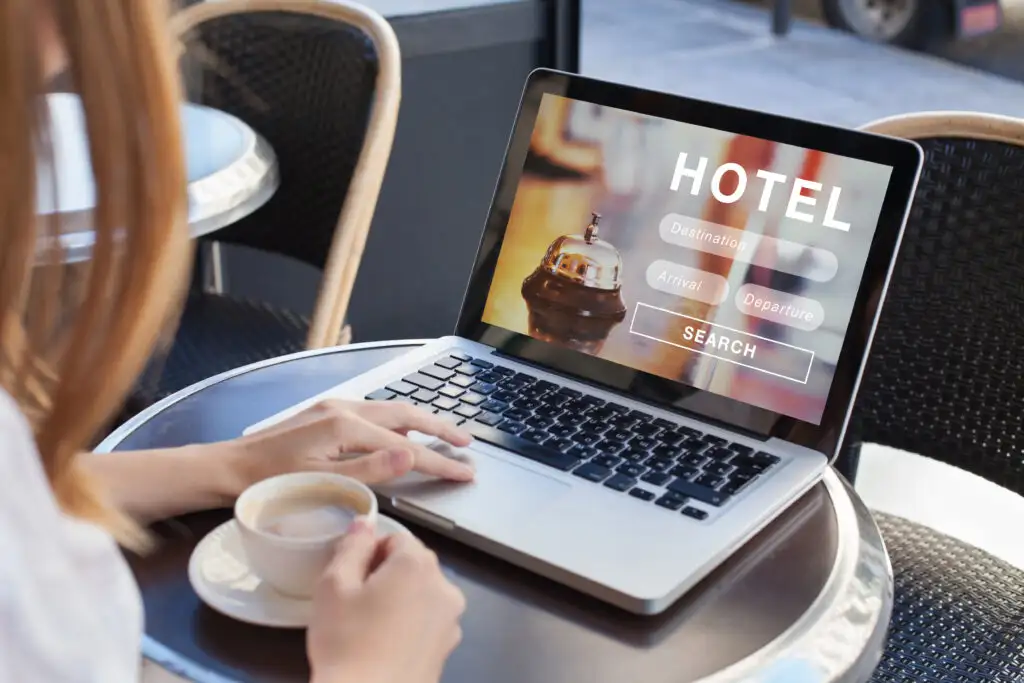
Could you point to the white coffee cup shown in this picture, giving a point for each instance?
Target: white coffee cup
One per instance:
(292, 564)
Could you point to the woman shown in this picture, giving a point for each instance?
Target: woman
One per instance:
(69, 610)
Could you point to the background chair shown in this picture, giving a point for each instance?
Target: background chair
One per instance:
(945, 381)
(320, 81)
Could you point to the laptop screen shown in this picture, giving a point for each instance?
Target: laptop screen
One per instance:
(724, 262)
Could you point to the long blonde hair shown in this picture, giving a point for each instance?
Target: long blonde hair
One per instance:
(70, 355)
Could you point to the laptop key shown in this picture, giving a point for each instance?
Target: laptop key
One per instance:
(586, 438)
(620, 482)
(489, 419)
(451, 392)
(461, 356)
(632, 469)
(659, 464)
(522, 447)
(445, 403)
(423, 396)
(448, 363)
(503, 371)
(642, 494)
(695, 513)
(512, 427)
(473, 398)
(766, 458)
(693, 460)
(720, 469)
(549, 411)
(517, 414)
(592, 472)
(702, 493)
(709, 480)
(559, 444)
(401, 388)
(607, 461)
(489, 377)
(380, 395)
(610, 446)
(734, 486)
(535, 435)
(540, 422)
(560, 429)
(463, 382)
(526, 404)
(493, 406)
(642, 443)
(424, 382)
(468, 370)
(486, 364)
(740, 448)
(670, 501)
(582, 452)
(656, 478)
(468, 411)
(483, 388)
(504, 396)
(437, 372)
(685, 472)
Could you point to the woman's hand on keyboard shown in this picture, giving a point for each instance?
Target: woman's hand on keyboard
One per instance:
(366, 440)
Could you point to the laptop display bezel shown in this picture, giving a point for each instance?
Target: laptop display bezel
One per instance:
(904, 157)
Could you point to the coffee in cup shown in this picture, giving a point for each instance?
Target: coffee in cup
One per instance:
(290, 525)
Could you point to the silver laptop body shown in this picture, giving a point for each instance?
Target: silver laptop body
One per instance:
(635, 546)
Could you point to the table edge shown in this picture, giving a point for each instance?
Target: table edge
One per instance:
(854, 606)
(126, 429)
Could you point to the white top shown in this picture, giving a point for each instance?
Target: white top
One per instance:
(70, 611)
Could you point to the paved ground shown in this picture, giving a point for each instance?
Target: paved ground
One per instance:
(723, 50)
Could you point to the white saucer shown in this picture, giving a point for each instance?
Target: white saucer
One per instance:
(219, 573)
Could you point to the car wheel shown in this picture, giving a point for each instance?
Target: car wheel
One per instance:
(915, 24)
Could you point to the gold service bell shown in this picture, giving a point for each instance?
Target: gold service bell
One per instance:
(574, 296)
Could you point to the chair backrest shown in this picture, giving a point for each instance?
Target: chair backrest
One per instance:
(946, 373)
(320, 81)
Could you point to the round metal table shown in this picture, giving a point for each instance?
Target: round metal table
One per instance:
(807, 600)
(232, 172)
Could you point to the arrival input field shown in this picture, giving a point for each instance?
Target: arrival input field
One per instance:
(724, 343)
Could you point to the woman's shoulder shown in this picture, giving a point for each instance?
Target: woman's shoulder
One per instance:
(62, 582)
(19, 459)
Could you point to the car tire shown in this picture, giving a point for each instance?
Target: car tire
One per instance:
(929, 23)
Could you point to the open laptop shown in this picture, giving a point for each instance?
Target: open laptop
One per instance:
(662, 336)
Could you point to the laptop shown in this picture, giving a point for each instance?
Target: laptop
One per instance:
(661, 339)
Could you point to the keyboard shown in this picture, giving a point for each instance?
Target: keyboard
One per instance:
(652, 459)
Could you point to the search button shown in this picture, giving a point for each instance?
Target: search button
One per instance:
(724, 343)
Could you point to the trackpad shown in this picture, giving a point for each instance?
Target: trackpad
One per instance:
(501, 492)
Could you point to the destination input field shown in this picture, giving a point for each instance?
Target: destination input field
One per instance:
(724, 343)
(801, 260)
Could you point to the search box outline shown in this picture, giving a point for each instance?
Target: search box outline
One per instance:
(632, 321)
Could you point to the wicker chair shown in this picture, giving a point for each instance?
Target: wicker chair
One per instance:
(944, 381)
(321, 82)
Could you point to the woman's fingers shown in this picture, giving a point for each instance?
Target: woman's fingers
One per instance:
(378, 467)
(425, 460)
(354, 556)
(404, 417)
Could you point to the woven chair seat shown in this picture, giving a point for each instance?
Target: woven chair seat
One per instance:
(959, 611)
(220, 333)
